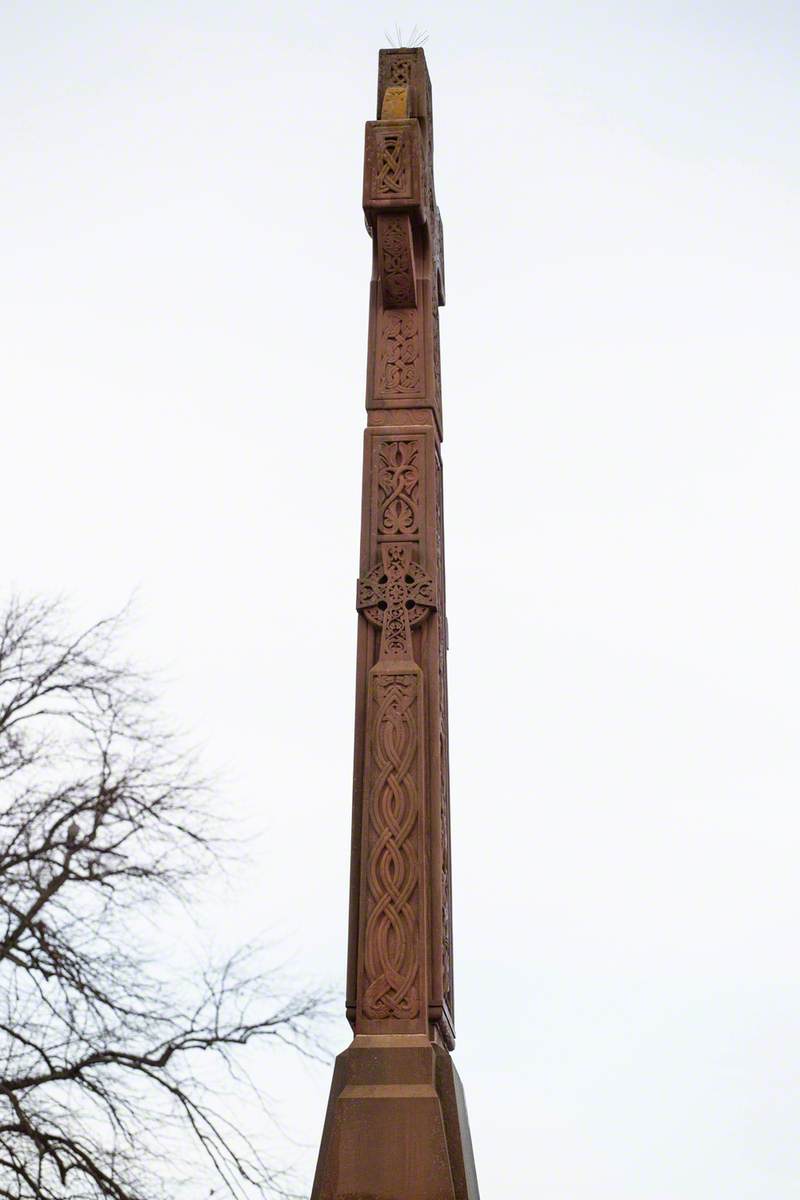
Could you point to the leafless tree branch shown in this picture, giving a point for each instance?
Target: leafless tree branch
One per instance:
(102, 817)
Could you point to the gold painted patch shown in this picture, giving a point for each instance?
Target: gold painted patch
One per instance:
(395, 104)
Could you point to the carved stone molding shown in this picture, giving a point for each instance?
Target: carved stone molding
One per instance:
(400, 416)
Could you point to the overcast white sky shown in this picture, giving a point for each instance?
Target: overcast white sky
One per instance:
(184, 302)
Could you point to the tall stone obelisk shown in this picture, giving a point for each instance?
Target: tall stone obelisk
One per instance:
(396, 1126)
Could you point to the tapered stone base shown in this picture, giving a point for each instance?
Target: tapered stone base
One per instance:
(396, 1126)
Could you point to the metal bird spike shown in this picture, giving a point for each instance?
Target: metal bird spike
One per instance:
(417, 37)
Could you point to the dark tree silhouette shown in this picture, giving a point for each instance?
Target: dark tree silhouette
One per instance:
(110, 1067)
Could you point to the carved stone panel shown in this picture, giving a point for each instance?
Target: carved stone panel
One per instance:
(398, 487)
(393, 166)
(397, 272)
(392, 973)
(400, 360)
(444, 764)
(437, 358)
(392, 170)
(403, 360)
(400, 69)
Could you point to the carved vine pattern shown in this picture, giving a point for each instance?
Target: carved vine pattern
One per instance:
(398, 488)
(391, 954)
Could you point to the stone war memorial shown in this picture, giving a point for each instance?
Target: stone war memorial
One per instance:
(396, 1126)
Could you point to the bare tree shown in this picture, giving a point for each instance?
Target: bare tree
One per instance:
(110, 1066)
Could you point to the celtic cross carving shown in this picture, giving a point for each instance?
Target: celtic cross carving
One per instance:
(396, 595)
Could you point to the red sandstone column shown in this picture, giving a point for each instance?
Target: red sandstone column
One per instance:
(396, 1127)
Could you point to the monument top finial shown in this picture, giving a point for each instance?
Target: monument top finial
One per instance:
(405, 66)
(404, 95)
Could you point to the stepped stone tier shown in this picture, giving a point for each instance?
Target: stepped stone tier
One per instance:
(396, 1126)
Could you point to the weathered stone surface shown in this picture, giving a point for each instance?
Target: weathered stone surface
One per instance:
(396, 1127)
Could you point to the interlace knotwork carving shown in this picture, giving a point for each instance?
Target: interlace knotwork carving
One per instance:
(391, 944)
(396, 595)
(437, 358)
(391, 163)
(396, 259)
(398, 488)
(400, 369)
(400, 70)
(444, 766)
